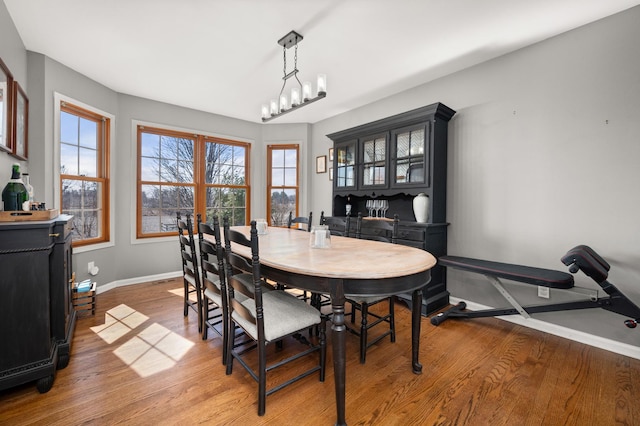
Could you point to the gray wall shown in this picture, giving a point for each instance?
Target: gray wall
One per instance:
(543, 156)
(14, 57)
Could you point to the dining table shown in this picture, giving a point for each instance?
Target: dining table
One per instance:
(347, 267)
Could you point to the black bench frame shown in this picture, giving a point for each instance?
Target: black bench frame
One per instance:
(580, 258)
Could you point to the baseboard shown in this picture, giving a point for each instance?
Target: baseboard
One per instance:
(138, 280)
(557, 330)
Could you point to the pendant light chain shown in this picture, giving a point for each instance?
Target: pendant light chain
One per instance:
(284, 60)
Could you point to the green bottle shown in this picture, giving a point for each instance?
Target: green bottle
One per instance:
(15, 193)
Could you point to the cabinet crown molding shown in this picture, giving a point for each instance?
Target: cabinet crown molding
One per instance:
(414, 116)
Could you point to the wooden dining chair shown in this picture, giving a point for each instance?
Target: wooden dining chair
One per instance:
(308, 221)
(215, 298)
(267, 317)
(300, 220)
(214, 293)
(190, 272)
(337, 225)
(377, 230)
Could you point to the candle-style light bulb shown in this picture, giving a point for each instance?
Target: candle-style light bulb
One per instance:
(295, 96)
(283, 103)
(306, 91)
(273, 107)
(265, 111)
(322, 84)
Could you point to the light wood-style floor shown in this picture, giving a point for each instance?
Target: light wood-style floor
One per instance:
(149, 367)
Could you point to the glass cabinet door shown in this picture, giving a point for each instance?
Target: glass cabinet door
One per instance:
(411, 151)
(374, 161)
(345, 166)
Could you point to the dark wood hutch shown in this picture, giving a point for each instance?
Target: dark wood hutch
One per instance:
(37, 318)
(395, 159)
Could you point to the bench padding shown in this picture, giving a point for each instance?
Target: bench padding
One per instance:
(524, 274)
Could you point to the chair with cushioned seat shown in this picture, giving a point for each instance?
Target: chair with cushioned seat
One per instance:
(190, 272)
(267, 317)
(377, 230)
(214, 297)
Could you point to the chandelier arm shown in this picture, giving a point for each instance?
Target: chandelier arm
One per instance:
(296, 76)
(284, 83)
(317, 98)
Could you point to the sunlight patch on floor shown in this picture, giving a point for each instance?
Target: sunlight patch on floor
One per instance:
(154, 349)
(118, 321)
(180, 292)
(177, 291)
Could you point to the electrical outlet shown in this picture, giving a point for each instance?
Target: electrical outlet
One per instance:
(90, 266)
(543, 292)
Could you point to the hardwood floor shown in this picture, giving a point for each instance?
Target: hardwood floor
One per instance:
(151, 367)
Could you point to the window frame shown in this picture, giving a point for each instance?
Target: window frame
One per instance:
(270, 186)
(199, 168)
(105, 124)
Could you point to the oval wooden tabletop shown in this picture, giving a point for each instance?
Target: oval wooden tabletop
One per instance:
(289, 250)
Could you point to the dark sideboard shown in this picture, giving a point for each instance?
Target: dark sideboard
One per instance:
(37, 318)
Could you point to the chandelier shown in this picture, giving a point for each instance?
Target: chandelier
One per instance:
(301, 93)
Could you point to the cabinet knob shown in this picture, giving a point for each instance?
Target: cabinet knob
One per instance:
(54, 235)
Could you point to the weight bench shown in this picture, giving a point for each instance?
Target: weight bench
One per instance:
(580, 258)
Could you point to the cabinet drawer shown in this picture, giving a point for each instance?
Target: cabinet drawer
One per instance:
(27, 237)
(411, 234)
(61, 232)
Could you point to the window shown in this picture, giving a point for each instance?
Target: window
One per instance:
(84, 172)
(190, 174)
(282, 183)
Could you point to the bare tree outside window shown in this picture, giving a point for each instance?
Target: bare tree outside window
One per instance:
(171, 181)
(282, 183)
(83, 174)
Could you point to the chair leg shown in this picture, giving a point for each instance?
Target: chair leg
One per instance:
(231, 337)
(262, 378)
(225, 339)
(392, 319)
(199, 307)
(364, 310)
(205, 318)
(186, 297)
(314, 300)
(323, 347)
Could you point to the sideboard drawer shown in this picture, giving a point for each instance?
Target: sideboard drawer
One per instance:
(411, 234)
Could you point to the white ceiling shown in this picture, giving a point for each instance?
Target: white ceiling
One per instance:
(222, 56)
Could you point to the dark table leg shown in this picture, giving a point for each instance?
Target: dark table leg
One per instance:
(416, 312)
(339, 350)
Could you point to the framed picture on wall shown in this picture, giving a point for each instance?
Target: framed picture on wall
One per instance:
(331, 154)
(20, 122)
(321, 164)
(6, 89)
(330, 173)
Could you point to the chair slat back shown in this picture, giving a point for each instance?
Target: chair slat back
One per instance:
(337, 225)
(238, 263)
(212, 258)
(188, 248)
(300, 220)
(377, 229)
